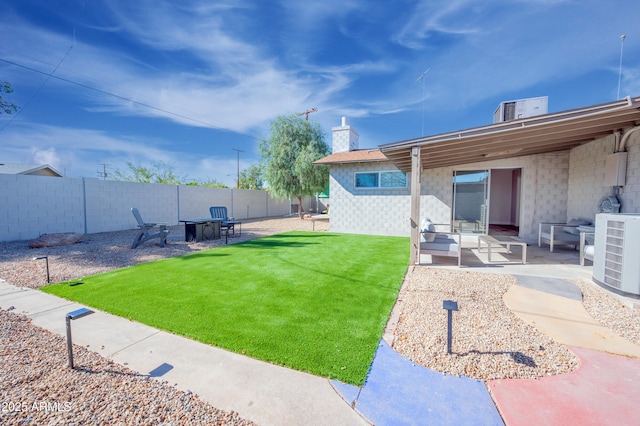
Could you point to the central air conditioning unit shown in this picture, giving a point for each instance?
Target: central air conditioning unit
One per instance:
(522, 108)
(616, 265)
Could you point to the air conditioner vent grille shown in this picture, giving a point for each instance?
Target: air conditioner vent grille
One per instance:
(613, 282)
(614, 253)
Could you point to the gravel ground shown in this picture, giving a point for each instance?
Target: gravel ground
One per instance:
(489, 341)
(38, 388)
(608, 311)
(105, 251)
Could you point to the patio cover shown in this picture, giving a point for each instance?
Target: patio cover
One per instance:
(535, 135)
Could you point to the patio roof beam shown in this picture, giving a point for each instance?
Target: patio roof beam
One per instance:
(526, 138)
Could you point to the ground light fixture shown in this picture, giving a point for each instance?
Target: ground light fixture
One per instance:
(450, 306)
(77, 314)
(46, 259)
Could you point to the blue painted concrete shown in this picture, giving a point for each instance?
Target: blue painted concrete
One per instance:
(399, 392)
(349, 393)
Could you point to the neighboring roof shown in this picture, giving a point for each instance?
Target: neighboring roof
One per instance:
(28, 169)
(535, 135)
(357, 156)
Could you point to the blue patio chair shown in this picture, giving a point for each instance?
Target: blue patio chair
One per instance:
(228, 223)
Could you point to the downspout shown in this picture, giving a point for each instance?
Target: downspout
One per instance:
(625, 138)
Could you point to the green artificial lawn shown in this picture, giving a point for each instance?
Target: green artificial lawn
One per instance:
(315, 302)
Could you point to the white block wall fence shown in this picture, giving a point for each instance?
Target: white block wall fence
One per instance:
(31, 206)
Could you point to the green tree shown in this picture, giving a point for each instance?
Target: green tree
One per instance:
(158, 173)
(210, 183)
(288, 157)
(6, 106)
(251, 177)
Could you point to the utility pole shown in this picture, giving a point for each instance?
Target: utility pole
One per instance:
(103, 174)
(238, 167)
(307, 112)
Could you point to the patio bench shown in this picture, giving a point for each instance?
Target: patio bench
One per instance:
(436, 243)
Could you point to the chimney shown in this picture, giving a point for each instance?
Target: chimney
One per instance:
(344, 138)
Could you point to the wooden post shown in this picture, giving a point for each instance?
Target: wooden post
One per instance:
(414, 256)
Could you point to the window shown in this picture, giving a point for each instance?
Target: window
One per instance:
(367, 180)
(381, 180)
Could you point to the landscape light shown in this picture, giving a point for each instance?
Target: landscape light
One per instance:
(46, 258)
(77, 314)
(450, 306)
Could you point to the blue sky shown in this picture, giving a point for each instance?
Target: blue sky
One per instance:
(186, 83)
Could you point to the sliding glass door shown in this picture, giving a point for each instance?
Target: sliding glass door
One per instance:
(470, 201)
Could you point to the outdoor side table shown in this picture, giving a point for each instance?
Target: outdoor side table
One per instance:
(201, 229)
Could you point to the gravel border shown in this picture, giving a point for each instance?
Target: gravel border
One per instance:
(38, 388)
(489, 341)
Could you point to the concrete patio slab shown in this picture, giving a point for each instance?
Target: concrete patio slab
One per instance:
(566, 321)
(605, 390)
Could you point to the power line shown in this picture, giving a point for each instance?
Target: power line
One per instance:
(66, 80)
(39, 88)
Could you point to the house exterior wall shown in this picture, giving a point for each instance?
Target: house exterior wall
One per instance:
(367, 211)
(587, 166)
(586, 178)
(545, 180)
(544, 188)
(556, 187)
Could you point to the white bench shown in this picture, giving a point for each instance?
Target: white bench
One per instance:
(444, 244)
(492, 242)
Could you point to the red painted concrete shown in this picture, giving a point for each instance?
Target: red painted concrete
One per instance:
(604, 390)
